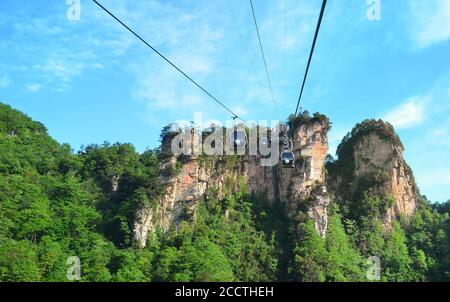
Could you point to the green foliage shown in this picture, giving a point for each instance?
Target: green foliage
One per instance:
(47, 213)
(18, 261)
(127, 266)
(344, 166)
(55, 204)
(230, 225)
(396, 258)
(333, 258)
(369, 205)
(344, 260)
(382, 129)
(123, 175)
(370, 239)
(310, 255)
(304, 118)
(108, 164)
(200, 260)
(429, 241)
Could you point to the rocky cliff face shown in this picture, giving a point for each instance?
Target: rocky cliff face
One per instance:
(306, 182)
(371, 159)
(303, 188)
(374, 154)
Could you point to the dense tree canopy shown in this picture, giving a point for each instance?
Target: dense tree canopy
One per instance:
(55, 204)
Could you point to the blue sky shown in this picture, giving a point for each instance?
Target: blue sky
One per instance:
(91, 81)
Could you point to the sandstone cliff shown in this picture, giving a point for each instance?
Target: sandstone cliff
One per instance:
(372, 154)
(370, 159)
(306, 182)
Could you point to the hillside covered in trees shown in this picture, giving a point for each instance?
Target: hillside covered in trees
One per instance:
(56, 203)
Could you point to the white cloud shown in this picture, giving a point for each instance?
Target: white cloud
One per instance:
(62, 70)
(205, 44)
(33, 87)
(430, 22)
(409, 113)
(59, 52)
(191, 42)
(159, 88)
(59, 69)
(4, 81)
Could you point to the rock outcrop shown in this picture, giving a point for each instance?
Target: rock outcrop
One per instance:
(293, 187)
(372, 151)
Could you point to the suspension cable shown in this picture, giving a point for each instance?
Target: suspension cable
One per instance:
(264, 60)
(319, 22)
(168, 61)
(285, 39)
(236, 25)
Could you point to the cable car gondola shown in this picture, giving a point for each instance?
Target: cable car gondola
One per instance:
(287, 158)
(239, 137)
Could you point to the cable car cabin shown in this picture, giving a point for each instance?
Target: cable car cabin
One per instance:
(287, 159)
(238, 138)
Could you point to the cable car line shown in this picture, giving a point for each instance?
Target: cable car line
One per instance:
(285, 39)
(287, 156)
(264, 59)
(168, 61)
(319, 22)
(236, 24)
(251, 60)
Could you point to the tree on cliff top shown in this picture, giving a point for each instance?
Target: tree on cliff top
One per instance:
(304, 118)
(382, 129)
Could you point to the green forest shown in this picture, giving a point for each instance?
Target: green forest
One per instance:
(56, 203)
